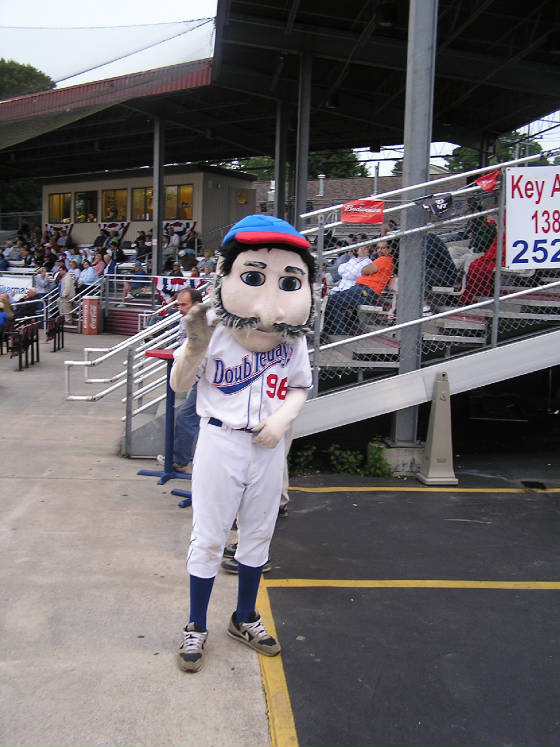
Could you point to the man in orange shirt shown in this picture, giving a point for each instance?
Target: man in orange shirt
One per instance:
(367, 290)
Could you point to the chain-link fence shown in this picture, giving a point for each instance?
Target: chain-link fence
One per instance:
(469, 301)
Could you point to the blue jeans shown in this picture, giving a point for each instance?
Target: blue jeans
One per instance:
(342, 302)
(186, 429)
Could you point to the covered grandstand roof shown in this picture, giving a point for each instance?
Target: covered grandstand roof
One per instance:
(497, 68)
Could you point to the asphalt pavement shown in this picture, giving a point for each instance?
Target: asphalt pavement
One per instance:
(408, 615)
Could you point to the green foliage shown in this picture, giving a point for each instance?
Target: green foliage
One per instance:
(377, 465)
(17, 79)
(300, 459)
(343, 163)
(508, 147)
(352, 462)
(345, 460)
(19, 195)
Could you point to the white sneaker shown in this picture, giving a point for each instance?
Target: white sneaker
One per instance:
(254, 634)
(190, 657)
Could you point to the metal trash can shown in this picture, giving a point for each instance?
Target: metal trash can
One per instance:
(90, 315)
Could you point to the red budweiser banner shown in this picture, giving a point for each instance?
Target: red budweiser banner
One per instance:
(487, 182)
(363, 211)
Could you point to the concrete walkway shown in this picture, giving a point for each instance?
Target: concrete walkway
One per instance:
(94, 587)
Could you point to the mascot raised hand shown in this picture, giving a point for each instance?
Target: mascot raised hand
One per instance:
(249, 354)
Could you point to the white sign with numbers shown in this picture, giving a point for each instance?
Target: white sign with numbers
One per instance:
(533, 217)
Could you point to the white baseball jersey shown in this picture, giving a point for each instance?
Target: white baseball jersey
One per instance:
(242, 388)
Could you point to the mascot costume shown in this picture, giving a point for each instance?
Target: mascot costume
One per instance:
(249, 354)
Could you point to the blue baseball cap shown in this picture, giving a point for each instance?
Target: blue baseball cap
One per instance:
(265, 229)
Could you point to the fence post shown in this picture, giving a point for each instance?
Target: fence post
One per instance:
(498, 269)
(317, 290)
(129, 401)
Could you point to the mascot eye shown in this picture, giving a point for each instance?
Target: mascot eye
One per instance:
(289, 283)
(253, 278)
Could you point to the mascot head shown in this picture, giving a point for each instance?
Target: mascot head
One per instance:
(263, 288)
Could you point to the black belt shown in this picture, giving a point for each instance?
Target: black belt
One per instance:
(219, 423)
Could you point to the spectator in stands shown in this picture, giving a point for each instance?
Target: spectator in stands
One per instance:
(27, 257)
(8, 248)
(75, 256)
(56, 270)
(7, 304)
(5, 318)
(4, 263)
(351, 270)
(367, 290)
(186, 419)
(141, 245)
(88, 276)
(49, 258)
(176, 271)
(194, 281)
(66, 293)
(28, 305)
(341, 259)
(208, 261)
(481, 274)
(75, 271)
(98, 263)
(101, 238)
(43, 283)
(136, 287)
(110, 265)
(388, 229)
(193, 244)
(174, 241)
(439, 268)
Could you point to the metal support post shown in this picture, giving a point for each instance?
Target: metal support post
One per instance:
(499, 253)
(302, 154)
(280, 158)
(317, 290)
(422, 35)
(158, 203)
(129, 401)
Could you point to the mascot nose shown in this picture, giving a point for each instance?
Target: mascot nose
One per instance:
(271, 310)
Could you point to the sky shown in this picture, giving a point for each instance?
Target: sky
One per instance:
(66, 38)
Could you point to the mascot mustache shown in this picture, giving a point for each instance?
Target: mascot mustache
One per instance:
(288, 331)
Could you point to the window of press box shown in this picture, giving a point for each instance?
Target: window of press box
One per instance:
(113, 204)
(178, 202)
(60, 206)
(142, 203)
(85, 207)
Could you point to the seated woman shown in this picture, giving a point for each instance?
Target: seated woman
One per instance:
(88, 276)
(367, 290)
(480, 275)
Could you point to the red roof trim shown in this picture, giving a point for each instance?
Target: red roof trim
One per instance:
(112, 90)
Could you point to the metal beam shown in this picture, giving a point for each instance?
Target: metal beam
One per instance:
(422, 34)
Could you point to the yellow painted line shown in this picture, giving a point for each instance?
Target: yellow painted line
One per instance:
(423, 489)
(423, 583)
(280, 715)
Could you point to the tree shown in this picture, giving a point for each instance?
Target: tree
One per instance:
(17, 79)
(343, 163)
(509, 146)
(20, 195)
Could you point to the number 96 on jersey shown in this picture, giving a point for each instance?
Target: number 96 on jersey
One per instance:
(533, 217)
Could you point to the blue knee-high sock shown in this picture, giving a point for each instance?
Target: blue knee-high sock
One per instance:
(247, 590)
(201, 588)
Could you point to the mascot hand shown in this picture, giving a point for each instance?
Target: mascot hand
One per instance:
(189, 356)
(270, 431)
(197, 328)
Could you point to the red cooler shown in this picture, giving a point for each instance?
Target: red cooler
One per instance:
(90, 315)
